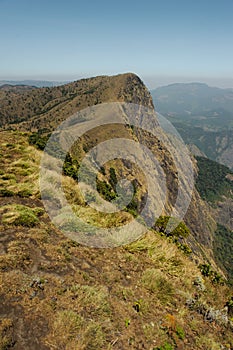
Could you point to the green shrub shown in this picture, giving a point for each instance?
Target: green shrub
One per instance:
(127, 322)
(20, 215)
(166, 346)
(113, 178)
(26, 218)
(205, 269)
(8, 177)
(184, 248)
(181, 230)
(105, 190)
(214, 276)
(38, 140)
(229, 304)
(132, 207)
(70, 167)
(180, 332)
(25, 193)
(6, 193)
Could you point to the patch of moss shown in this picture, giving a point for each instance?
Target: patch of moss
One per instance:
(21, 215)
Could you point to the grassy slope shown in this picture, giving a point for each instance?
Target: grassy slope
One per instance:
(56, 294)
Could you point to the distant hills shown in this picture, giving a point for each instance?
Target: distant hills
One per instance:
(202, 104)
(202, 114)
(36, 83)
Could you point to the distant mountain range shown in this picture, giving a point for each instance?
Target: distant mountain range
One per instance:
(202, 114)
(36, 83)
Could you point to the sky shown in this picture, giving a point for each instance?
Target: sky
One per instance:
(161, 41)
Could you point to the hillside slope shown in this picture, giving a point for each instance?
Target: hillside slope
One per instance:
(42, 110)
(45, 108)
(59, 294)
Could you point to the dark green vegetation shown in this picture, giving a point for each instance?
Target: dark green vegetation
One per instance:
(21, 215)
(181, 230)
(38, 139)
(214, 183)
(216, 145)
(223, 249)
(213, 275)
(177, 235)
(213, 180)
(166, 346)
(70, 167)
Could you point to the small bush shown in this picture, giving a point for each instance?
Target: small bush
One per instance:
(229, 304)
(8, 177)
(105, 190)
(184, 248)
(24, 193)
(20, 215)
(181, 230)
(38, 140)
(205, 269)
(6, 193)
(70, 167)
(127, 322)
(113, 178)
(166, 346)
(180, 332)
(214, 276)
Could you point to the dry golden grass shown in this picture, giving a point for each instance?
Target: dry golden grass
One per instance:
(6, 328)
(19, 165)
(70, 331)
(72, 297)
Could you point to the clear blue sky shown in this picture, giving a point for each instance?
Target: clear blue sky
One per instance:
(159, 40)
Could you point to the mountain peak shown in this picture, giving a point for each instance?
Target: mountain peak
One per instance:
(46, 107)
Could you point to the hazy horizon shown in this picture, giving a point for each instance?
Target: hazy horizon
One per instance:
(150, 81)
(162, 42)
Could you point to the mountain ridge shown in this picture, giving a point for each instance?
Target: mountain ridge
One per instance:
(159, 292)
(56, 104)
